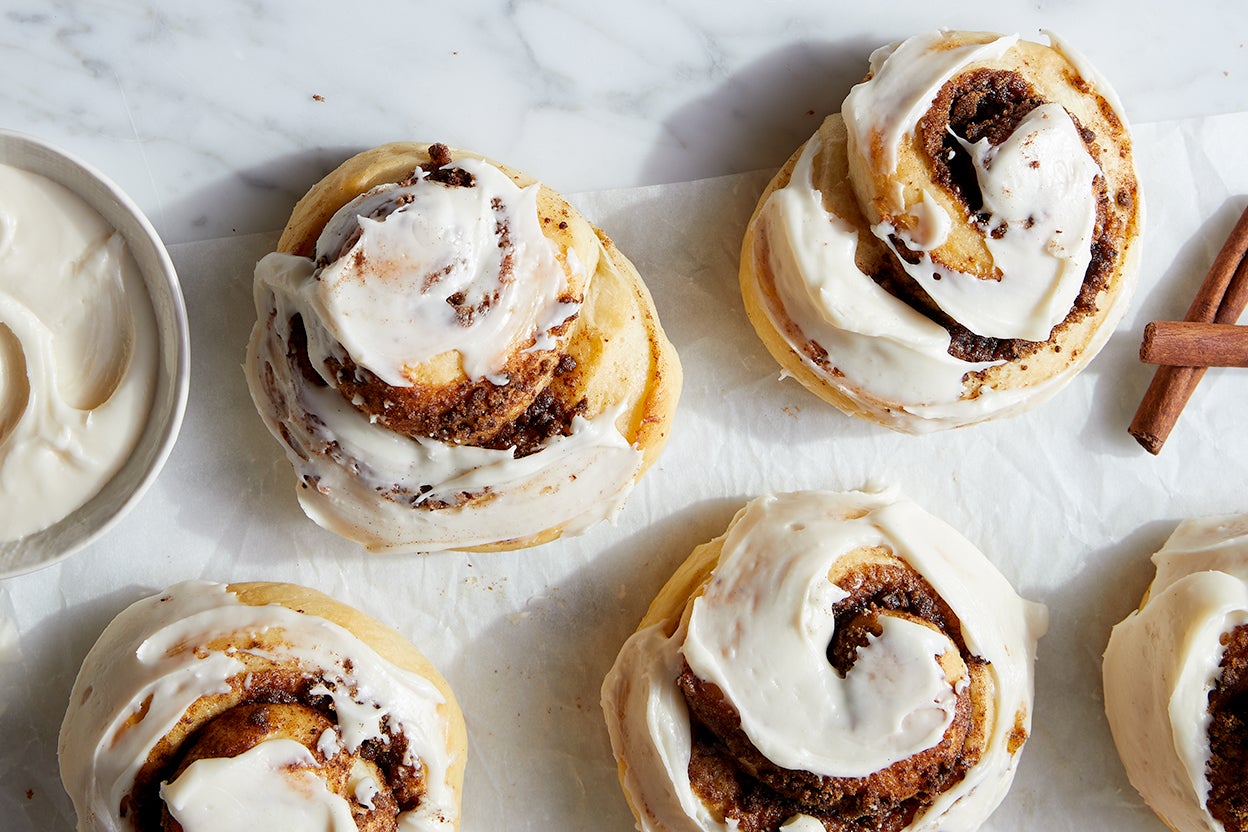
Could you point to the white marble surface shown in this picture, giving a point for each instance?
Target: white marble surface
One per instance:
(216, 117)
(208, 114)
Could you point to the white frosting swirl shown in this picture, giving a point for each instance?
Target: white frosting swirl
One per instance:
(905, 77)
(419, 251)
(1163, 660)
(1036, 187)
(872, 337)
(78, 346)
(794, 705)
(760, 631)
(272, 785)
(384, 301)
(152, 663)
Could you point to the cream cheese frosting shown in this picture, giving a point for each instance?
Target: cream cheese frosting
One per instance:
(404, 261)
(402, 274)
(760, 631)
(78, 346)
(271, 786)
(1163, 660)
(794, 706)
(872, 336)
(905, 77)
(152, 663)
(1039, 204)
(1037, 189)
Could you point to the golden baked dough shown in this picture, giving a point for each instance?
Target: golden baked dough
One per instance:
(913, 264)
(606, 361)
(779, 677)
(203, 674)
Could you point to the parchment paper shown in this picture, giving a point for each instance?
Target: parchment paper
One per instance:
(1062, 499)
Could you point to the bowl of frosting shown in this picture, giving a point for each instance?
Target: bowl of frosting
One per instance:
(94, 349)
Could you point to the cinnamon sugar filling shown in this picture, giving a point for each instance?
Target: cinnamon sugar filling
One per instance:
(1228, 735)
(988, 103)
(730, 775)
(545, 398)
(248, 722)
(544, 392)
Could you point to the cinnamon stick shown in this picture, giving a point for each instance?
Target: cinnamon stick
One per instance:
(1220, 299)
(1195, 344)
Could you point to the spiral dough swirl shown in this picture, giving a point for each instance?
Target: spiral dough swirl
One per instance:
(211, 707)
(834, 661)
(956, 243)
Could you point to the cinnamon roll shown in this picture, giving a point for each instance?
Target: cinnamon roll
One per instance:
(958, 242)
(832, 662)
(259, 706)
(1176, 680)
(454, 358)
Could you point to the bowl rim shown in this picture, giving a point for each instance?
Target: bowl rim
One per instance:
(175, 385)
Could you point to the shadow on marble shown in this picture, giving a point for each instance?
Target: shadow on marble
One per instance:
(551, 658)
(1068, 680)
(53, 649)
(762, 112)
(253, 199)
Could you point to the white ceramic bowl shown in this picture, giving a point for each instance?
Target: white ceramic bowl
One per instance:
(103, 510)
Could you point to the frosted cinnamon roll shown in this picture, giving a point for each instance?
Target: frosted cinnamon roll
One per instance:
(454, 358)
(1176, 679)
(832, 662)
(256, 706)
(958, 242)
